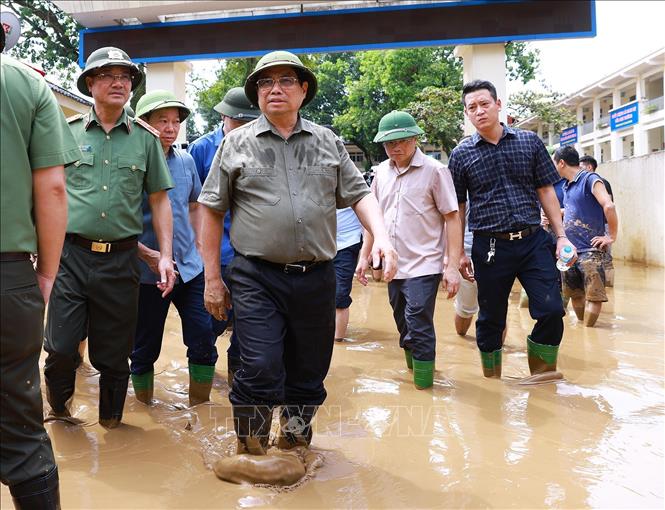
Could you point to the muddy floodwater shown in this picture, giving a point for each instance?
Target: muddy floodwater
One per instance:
(593, 440)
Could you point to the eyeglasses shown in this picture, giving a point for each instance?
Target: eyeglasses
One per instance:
(108, 78)
(394, 143)
(285, 83)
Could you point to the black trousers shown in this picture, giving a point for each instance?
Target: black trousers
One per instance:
(95, 296)
(25, 448)
(285, 325)
(531, 260)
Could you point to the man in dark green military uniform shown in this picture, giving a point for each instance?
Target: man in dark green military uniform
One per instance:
(96, 294)
(35, 144)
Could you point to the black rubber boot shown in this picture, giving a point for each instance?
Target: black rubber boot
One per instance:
(112, 393)
(41, 493)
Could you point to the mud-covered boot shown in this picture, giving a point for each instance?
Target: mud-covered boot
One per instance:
(423, 373)
(491, 362)
(252, 427)
(200, 383)
(41, 493)
(542, 357)
(408, 356)
(252, 445)
(295, 427)
(144, 386)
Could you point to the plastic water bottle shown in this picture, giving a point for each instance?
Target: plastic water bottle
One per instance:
(565, 256)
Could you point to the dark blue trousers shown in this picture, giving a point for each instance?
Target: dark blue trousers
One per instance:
(197, 330)
(530, 260)
(412, 301)
(285, 325)
(345, 266)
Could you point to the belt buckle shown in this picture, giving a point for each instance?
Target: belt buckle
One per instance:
(100, 247)
(294, 268)
(515, 235)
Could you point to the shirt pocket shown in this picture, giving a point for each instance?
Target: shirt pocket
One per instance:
(259, 185)
(518, 165)
(130, 174)
(414, 201)
(80, 174)
(321, 185)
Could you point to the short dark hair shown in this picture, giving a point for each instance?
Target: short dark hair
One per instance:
(474, 85)
(589, 161)
(568, 154)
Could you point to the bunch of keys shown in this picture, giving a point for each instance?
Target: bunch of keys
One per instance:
(491, 252)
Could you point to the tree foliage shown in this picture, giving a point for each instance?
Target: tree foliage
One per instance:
(438, 111)
(49, 37)
(357, 89)
(545, 105)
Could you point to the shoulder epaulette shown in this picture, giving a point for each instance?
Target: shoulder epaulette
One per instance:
(146, 126)
(75, 117)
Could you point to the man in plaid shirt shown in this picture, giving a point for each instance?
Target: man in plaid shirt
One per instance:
(507, 175)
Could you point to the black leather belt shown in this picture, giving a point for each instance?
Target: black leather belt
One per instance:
(510, 236)
(14, 256)
(292, 268)
(101, 247)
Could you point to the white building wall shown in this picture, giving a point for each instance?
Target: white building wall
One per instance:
(637, 185)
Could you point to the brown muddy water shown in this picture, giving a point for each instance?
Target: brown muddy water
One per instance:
(593, 440)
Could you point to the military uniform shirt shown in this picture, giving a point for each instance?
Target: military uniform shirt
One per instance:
(105, 187)
(38, 139)
(283, 194)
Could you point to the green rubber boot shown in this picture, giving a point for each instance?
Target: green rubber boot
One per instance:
(423, 374)
(408, 355)
(144, 386)
(200, 383)
(491, 362)
(542, 357)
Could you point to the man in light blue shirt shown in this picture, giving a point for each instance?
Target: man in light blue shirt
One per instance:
(349, 242)
(164, 112)
(235, 110)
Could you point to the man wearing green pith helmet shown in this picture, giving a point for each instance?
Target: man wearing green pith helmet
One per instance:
(417, 197)
(282, 177)
(162, 110)
(96, 292)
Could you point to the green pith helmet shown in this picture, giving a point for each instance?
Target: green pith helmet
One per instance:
(236, 105)
(108, 56)
(280, 58)
(397, 125)
(158, 99)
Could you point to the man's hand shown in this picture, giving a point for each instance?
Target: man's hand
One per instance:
(602, 242)
(166, 275)
(560, 243)
(451, 281)
(466, 268)
(45, 285)
(361, 269)
(385, 256)
(217, 299)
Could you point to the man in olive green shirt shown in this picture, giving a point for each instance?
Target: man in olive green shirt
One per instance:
(282, 177)
(96, 294)
(35, 144)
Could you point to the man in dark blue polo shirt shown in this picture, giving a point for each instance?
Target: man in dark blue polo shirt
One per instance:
(507, 174)
(586, 204)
